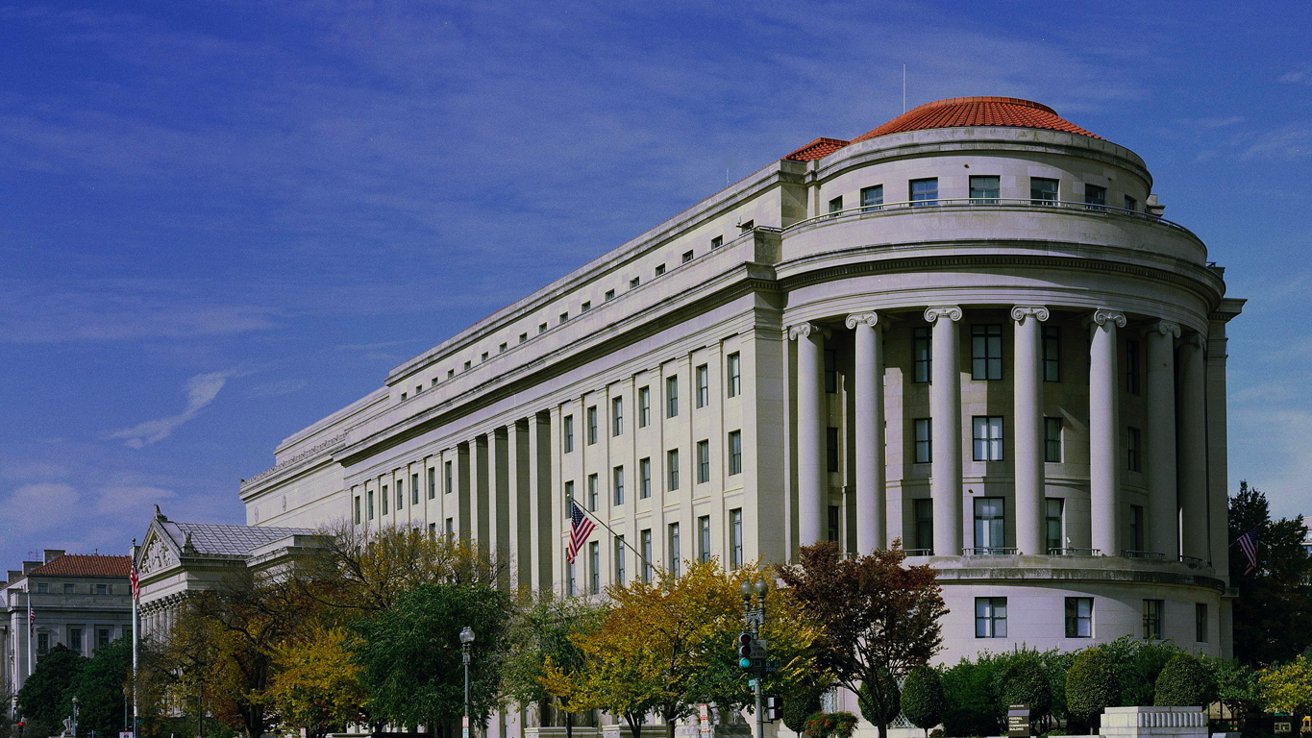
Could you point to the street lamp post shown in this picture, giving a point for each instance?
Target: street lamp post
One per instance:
(73, 723)
(466, 640)
(754, 619)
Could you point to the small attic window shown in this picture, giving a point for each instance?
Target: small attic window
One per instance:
(687, 257)
(717, 242)
(660, 269)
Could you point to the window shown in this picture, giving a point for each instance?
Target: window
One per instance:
(687, 257)
(1133, 446)
(672, 468)
(450, 373)
(450, 477)
(523, 337)
(747, 225)
(42, 587)
(836, 204)
(592, 492)
(644, 540)
(1052, 440)
(449, 527)
(356, 517)
(103, 637)
(569, 496)
(831, 449)
(734, 372)
(676, 562)
(1095, 197)
(432, 531)
(660, 269)
(1200, 622)
(990, 522)
(482, 358)
(921, 355)
(75, 639)
(592, 425)
(990, 617)
(717, 242)
(400, 494)
(988, 437)
(924, 449)
(432, 482)
(1043, 191)
(644, 406)
(671, 397)
(832, 517)
(1051, 354)
(872, 198)
(610, 295)
(735, 538)
(735, 452)
(924, 524)
(570, 583)
(617, 416)
(1137, 529)
(619, 560)
(42, 644)
(923, 192)
(984, 190)
(567, 436)
(414, 488)
(633, 283)
(1132, 366)
(644, 478)
(468, 365)
(703, 374)
(831, 371)
(585, 307)
(703, 462)
(542, 328)
(704, 538)
(564, 316)
(1131, 204)
(371, 504)
(102, 589)
(1152, 619)
(1079, 617)
(383, 496)
(68, 588)
(986, 352)
(617, 484)
(1054, 529)
(594, 567)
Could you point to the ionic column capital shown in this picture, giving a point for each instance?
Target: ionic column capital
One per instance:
(804, 330)
(1194, 340)
(870, 319)
(951, 312)
(1020, 312)
(1166, 328)
(1102, 315)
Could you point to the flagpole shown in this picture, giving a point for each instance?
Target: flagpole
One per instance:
(30, 623)
(136, 638)
(622, 539)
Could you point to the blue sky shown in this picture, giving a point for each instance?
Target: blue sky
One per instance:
(222, 221)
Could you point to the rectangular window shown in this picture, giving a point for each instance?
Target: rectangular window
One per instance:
(675, 554)
(449, 527)
(1132, 366)
(432, 530)
(633, 283)
(1054, 525)
(703, 462)
(1137, 529)
(1079, 617)
(569, 496)
(984, 190)
(571, 583)
(370, 507)
(1200, 622)
(831, 449)
(400, 494)
(1152, 619)
(671, 397)
(644, 407)
(564, 317)
(432, 482)
(924, 450)
(923, 192)
(383, 496)
(735, 452)
(921, 355)
(542, 328)
(831, 371)
(1131, 204)
(644, 540)
(924, 524)
(704, 538)
(1133, 447)
(986, 352)
(102, 589)
(620, 560)
(990, 617)
(672, 469)
(1051, 353)
(586, 306)
(617, 484)
(687, 257)
(450, 477)
(414, 488)
(660, 269)
(594, 568)
(1052, 440)
(717, 242)
(43, 587)
(357, 510)
(608, 296)
(592, 425)
(566, 435)
(990, 522)
(872, 198)
(1095, 197)
(987, 437)
(592, 492)
(75, 640)
(617, 416)
(42, 644)
(836, 205)
(747, 226)
(644, 478)
(834, 516)
(703, 386)
(1043, 191)
(68, 587)
(103, 637)
(734, 372)
(736, 538)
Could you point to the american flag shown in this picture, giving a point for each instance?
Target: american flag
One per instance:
(580, 527)
(136, 584)
(1248, 545)
(31, 619)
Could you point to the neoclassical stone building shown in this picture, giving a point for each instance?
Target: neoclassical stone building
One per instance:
(970, 329)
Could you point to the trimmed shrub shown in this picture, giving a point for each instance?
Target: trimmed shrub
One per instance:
(923, 700)
(1022, 680)
(1184, 681)
(972, 703)
(800, 705)
(880, 701)
(1091, 685)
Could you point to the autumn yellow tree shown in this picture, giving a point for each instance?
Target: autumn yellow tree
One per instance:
(316, 682)
(1288, 687)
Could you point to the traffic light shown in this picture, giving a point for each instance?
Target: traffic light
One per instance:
(774, 708)
(22, 723)
(745, 650)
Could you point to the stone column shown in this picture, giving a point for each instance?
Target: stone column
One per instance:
(1193, 449)
(870, 496)
(1105, 458)
(1029, 428)
(1163, 500)
(945, 429)
(812, 482)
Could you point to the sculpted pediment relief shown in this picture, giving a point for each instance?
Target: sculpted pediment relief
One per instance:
(157, 556)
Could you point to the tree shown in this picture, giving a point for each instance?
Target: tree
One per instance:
(1022, 680)
(316, 682)
(1137, 664)
(1273, 612)
(875, 614)
(923, 700)
(541, 637)
(1236, 686)
(102, 686)
(1091, 685)
(1286, 688)
(410, 655)
(879, 698)
(1184, 681)
(46, 696)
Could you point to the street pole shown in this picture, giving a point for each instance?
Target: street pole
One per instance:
(466, 640)
(754, 619)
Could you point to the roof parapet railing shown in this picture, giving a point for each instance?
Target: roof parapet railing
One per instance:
(919, 552)
(1131, 553)
(990, 551)
(985, 202)
(1074, 552)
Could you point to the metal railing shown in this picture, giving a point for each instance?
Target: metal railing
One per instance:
(1131, 553)
(1074, 552)
(919, 552)
(990, 551)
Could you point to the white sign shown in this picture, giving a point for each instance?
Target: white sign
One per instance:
(125, 734)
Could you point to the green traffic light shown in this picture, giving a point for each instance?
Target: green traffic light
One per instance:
(745, 663)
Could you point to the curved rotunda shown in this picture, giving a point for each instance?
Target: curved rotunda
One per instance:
(970, 330)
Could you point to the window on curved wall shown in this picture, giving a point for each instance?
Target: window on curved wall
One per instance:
(1095, 197)
(872, 198)
(984, 189)
(923, 192)
(1079, 617)
(990, 617)
(986, 352)
(1043, 191)
(990, 522)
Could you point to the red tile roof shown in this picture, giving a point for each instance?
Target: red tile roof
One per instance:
(817, 149)
(85, 565)
(956, 112)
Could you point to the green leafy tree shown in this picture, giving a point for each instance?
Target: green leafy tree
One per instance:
(102, 686)
(542, 637)
(970, 686)
(47, 696)
(1236, 686)
(875, 614)
(879, 698)
(1021, 679)
(923, 700)
(1288, 687)
(1273, 612)
(411, 661)
(1091, 685)
(1185, 681)
(803, 702)
(316, 682)
(1138, 663)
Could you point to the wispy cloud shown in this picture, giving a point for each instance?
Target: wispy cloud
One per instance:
(1296, 77)
(1287, 143)
(34, 503)
(201, 391)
